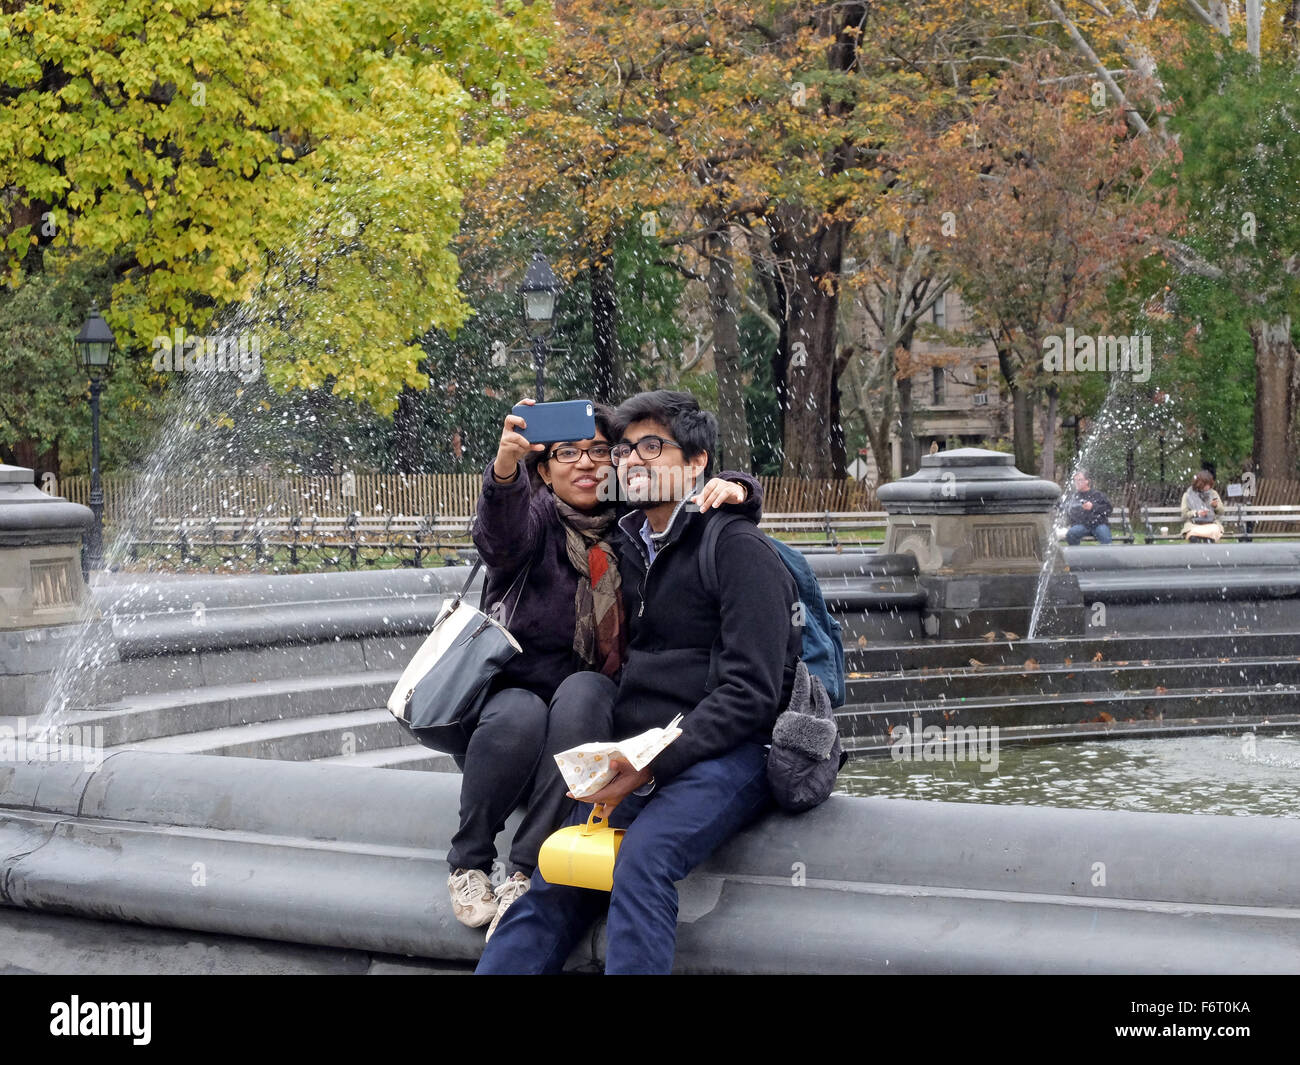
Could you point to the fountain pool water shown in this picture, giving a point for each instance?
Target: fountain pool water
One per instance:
(1238, 774)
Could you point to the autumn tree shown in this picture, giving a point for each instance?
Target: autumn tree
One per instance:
(1051, 203)
(292, 168)
(1228, 90)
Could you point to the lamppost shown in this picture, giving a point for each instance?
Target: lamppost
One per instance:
(537, 292)
(1072, 422)
(94, 349)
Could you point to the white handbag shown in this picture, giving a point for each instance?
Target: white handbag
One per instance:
(448, 677)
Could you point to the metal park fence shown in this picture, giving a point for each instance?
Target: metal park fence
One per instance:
(378, 495)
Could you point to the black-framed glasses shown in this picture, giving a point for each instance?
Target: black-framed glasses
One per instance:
(571, 453)
(648, 447)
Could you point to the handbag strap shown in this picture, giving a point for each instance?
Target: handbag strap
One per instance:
(482, 602)
(519, 579)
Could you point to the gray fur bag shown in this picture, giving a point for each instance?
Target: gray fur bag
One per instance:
(806, 751)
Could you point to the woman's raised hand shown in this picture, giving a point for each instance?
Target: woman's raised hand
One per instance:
(719, 491)
(513, 448)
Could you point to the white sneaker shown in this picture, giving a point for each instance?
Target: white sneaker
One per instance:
(472, 899)
(507, 894)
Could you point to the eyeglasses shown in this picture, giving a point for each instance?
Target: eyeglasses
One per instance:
(571, 453)
(648, 447)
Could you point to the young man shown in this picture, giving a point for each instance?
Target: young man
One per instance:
(1088, 512)
(726, 664)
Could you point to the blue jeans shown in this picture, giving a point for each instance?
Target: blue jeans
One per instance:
(1075, 533)
(669, 833)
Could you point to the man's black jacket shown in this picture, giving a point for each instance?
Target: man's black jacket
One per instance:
(674, 625)
(1098, 515)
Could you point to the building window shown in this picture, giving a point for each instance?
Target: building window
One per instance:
(938, 313)
(937, 383)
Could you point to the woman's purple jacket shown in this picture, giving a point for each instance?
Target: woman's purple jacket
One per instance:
(514, 523)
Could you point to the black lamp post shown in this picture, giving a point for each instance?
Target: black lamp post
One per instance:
(537, 293)
(1072, 422)
(94, 351)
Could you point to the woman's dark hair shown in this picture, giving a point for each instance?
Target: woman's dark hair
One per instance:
(1203, 480)
(696, 430)
(606, 425)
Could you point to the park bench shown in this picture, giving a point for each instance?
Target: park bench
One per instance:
(361, 538)
(839, 528)
(1240, 521)
(1121, 526)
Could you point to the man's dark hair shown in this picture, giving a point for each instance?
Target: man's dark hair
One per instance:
(696, 430)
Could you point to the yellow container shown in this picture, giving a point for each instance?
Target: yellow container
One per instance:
(581, 855)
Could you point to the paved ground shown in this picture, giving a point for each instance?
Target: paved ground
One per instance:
(53, 944)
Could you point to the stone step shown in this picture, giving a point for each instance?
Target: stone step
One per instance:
(138, 718)
(1095, 730)
(871, 723)
(113, 681)
(937, 654)
(298, 739)
(1115, 676)
(409, 756)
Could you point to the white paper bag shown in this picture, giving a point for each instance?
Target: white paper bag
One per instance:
(586, 768)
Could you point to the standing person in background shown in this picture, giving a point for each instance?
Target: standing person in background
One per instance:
(1088, 512)
(1201, 509)
(545, 529)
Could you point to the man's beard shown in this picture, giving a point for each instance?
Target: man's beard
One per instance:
(671, 486)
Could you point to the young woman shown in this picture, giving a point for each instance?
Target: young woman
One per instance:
(1201, 509)
(545, 528)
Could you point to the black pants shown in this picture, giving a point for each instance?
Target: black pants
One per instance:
(509, 761)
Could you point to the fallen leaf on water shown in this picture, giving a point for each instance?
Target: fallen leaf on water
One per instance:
(976, 662)
(1069, 661)
(1030, 664)
(1160, 690)
(990, 635)
(1122, 662)
(1105, 718)
(862, 641)
(1097, 657)
(1011, 635)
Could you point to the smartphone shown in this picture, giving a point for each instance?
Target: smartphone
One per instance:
(574, 419)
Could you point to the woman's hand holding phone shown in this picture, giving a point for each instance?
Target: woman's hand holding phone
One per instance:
(513, 448)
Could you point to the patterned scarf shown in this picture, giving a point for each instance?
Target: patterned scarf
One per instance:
(600, 637)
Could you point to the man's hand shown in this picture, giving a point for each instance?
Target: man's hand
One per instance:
(717, 492)
(1087, 506)
(618, 789)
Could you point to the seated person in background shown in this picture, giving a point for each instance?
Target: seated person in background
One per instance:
(1088, 512)
(1201, 508)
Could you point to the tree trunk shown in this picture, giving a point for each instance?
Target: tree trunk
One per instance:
(1047, 467)
(1023, 402)
(408, 456)
(907, 428)
(878, 433)
(839, 452)
(810, 253)
(1275, 398)
(604, 325)
(733, 428)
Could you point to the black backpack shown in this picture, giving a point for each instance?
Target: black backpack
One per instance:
(806, 754)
